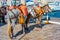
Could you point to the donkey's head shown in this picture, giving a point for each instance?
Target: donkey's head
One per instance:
(47, 9)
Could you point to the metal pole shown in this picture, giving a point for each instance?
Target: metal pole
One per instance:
(0, 2)
(47, 16)
(47, 22)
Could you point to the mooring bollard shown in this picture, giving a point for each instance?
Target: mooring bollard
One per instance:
(47, 21)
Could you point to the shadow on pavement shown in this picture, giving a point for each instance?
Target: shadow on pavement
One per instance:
(30, 29)
(2, 24)
(36, 25)
(19, 33)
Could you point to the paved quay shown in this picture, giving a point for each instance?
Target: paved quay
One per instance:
(47, 32)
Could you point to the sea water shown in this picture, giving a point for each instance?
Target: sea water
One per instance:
(55, 13)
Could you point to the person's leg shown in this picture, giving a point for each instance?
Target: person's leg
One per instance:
(0, 19)
(3, 19)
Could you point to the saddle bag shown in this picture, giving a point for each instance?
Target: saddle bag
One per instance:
(20, 19)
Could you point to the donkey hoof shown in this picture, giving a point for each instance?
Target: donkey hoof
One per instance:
(26, 30)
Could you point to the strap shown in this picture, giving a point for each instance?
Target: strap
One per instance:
(20, 10)
(13, 13)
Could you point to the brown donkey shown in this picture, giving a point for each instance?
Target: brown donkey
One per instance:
(39, 13)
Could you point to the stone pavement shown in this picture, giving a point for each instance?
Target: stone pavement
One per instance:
(47, 32)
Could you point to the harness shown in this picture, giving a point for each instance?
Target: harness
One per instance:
(37, 11)
(22, 9)
(14, 15)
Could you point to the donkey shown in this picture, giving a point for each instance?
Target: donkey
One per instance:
(39, 13)
(13, 14)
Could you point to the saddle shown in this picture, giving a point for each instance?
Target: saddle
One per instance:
(38, 10)
(22, 9)
(22, 12)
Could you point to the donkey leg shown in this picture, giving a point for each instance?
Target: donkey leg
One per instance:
(36, 20)
(23, 28)
(39, 20)
(12, 27)
(27, 19)
(26, 27)
(26, 22)
(11, 32)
